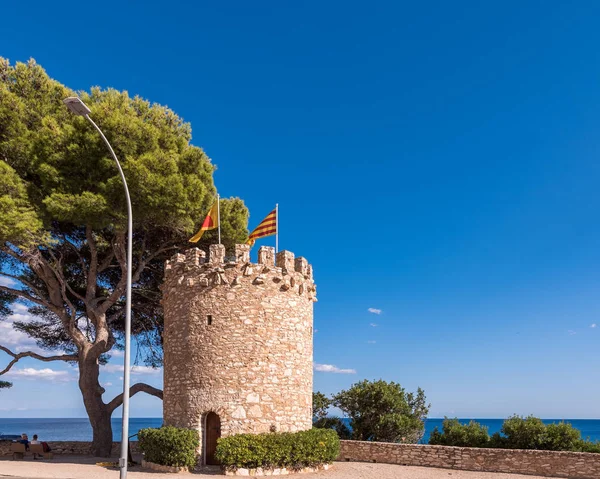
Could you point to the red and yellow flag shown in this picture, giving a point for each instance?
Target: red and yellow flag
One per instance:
(267, 227)
(210, 222)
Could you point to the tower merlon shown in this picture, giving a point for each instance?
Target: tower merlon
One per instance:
(285, 260)
(266, 256)
(216, 254)
(242, 253)
(195, 256)
(301, 265)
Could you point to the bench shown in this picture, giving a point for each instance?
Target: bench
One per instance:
(19, 451)
(38, 449)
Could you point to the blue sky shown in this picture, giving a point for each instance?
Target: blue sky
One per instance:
(436, 162)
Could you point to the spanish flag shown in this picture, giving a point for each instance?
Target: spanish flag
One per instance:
(210, 222)
(267, 227)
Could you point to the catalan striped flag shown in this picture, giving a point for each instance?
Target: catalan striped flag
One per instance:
(267, 227)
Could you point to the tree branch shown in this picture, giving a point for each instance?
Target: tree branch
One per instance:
(142, 264)
(136, 388)
(55, 294)
(120, 287)
(26, 283)
(9, 251)
(91, 277)
(63, 284)
(30, 354)
(77, 252)
(121, 255)
(106, 262)
(28, 297)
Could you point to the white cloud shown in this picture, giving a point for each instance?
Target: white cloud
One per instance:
(145, 370)
(106, 385)
(371, 342)
(118, 368)
(373, 325)
(112, 368)
(593, 325)
(330, 368)
(14, 340)
(45, 374)
(374, 310)
(571, 332)
(116, 353)
(4, 281)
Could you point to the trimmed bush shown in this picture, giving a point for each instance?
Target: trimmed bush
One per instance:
(464, 435)
(293, 450)
(169, 446)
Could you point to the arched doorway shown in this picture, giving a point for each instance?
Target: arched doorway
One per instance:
(212, 432)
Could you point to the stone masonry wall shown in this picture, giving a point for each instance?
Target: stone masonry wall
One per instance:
(576, 465)
(238, 340)
(72, 448)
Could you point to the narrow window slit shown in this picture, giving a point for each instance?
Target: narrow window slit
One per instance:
(209, 319)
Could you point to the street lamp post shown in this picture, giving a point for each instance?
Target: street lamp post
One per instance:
(79, 108)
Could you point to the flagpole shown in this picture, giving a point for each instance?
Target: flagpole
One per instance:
(219, 215)
(276, 228)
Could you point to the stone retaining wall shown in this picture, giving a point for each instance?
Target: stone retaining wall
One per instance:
(576, 465)
(72, 448)
(168, 469)
(279, 471)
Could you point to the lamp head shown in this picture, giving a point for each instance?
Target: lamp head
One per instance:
(77, 106)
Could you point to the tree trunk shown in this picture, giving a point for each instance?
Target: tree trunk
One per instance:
(98, 412)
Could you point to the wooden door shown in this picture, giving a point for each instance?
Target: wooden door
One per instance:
(212, 432)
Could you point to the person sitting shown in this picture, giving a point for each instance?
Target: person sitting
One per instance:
(24, 440)
(34, 441)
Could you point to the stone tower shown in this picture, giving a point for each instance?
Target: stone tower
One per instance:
(237, 343)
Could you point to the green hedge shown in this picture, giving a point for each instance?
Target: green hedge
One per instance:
(516, 433)
(169, 446)
(293, 450)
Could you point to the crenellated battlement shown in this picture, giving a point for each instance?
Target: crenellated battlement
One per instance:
(282, 269)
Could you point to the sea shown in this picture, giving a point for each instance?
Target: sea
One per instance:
(79, 429)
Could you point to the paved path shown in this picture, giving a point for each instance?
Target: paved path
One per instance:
(77, 467)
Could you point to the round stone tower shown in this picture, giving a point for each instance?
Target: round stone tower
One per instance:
(237, 343)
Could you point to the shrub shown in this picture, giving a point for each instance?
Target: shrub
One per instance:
(291, 450)
(531, 433)
(383, 411)
(169, 446)
(561, 437)
(516, 433)
(320, 405)
(334, 423)
(464, 435)
(587, 446)
(520, 433)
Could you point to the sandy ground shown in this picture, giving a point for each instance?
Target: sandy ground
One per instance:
(86, 468)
